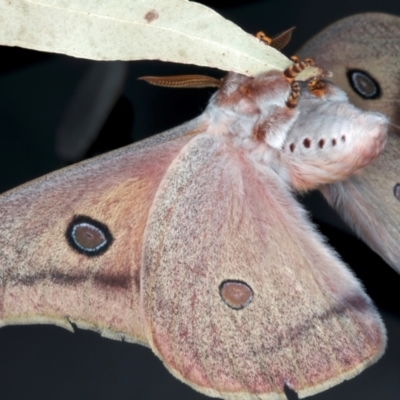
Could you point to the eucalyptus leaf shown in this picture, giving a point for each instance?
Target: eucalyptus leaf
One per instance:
(175, 30)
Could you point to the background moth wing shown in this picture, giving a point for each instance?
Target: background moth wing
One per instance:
(70, 242)
(91, 103)
(241, 296)
(368, 203)
(362, 52)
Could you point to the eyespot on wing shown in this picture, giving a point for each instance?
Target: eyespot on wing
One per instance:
(88, 236)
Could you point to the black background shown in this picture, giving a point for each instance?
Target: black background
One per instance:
(45, 362)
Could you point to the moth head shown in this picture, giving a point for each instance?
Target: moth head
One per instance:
(322, 90)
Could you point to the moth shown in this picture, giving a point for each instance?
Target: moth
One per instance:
(192, 243)
(360, 51)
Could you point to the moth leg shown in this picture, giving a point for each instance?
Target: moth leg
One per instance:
(309, 61)
(279, 41)
(316, 87)
(264, 38)
(291, 73)
(298, 66)
(294, 95)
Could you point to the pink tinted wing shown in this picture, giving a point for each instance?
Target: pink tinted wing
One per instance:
(241, 296)
(46, 277)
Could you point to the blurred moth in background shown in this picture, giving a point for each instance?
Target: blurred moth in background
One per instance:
(362, 52)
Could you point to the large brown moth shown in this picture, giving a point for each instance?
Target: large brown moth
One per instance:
(192, 243)
(361, 52)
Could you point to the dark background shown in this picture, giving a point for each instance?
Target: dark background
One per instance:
(45, 362)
